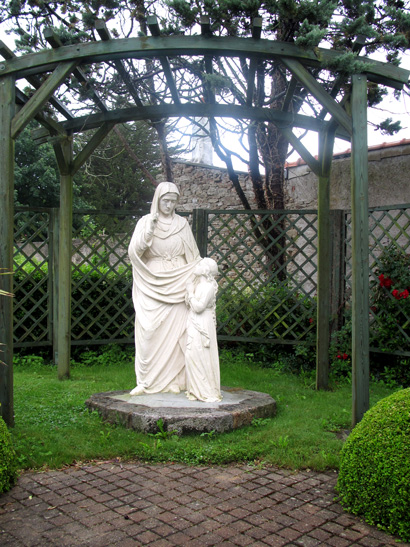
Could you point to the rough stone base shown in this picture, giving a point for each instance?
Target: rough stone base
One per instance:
(237, 408)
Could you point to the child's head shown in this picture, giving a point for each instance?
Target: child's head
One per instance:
(207, 267)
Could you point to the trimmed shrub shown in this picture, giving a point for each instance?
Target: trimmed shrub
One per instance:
(8, 460)
(374, 477)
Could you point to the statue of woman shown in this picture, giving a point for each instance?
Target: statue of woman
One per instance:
(163, 255)
(202, 358)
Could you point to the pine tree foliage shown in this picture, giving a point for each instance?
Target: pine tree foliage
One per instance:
(112, 179)
(383, 27)
(36, 175)
(370, 27)
(114, 176)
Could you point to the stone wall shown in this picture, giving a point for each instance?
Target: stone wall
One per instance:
(208, 187)
(389, 183)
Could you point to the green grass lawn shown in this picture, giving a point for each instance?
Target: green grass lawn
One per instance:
(53, 427)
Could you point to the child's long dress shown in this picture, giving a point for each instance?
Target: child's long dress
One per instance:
(202, 358)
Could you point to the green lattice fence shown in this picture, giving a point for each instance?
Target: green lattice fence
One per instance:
(268, 267)
(389, 254)
(102, 308)
(33, 278)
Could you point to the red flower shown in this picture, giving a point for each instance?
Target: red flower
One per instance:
(339, 356)
(385, 282)
(396, 294)
(404, 294)
(310, 319)
(345, 356)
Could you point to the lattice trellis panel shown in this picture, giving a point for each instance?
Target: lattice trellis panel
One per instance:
(102, 308)
(389, 306)
(268, 265)
(32, 278)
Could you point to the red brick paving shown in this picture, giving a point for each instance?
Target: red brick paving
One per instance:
(135, 505)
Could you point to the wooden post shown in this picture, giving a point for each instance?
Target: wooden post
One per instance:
(324, 268)
(338, 269)
(7, 107)
(360, 251)
(64, 154)
(53, 268)
(200, 229)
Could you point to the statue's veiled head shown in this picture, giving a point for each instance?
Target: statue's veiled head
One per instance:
(164, 191)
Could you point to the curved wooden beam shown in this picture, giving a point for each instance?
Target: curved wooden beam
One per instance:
(227, 46)
(199, 110)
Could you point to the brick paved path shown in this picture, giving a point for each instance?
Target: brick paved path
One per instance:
(132, 505)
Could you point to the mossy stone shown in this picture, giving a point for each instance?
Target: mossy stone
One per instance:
(8, 460)
(374, 477)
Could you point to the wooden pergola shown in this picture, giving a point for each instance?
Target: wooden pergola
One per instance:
(343, 115)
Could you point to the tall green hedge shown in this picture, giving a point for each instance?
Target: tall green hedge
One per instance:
(102, 298)
(269, 311)
(95, 289)
(374, 477)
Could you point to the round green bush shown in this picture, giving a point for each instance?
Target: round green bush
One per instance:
(8, 460)
(374, 477)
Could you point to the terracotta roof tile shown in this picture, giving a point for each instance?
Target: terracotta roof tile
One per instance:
(347, 152)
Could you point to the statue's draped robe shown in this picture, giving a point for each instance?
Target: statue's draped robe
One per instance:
(161, 268)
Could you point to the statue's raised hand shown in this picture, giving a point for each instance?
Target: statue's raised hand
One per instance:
(152, 222)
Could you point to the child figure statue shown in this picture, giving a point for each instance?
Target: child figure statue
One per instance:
(202, 357)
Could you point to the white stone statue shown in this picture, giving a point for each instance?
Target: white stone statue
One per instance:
(202, 358)
(202, 144)
(163, 255)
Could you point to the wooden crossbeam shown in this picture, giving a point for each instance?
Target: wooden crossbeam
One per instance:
(289, 94)
(50, 125)
(89, 148)
(304, 153)
(253, 65)
(256, 28)
(7, 54)
(228, 46)
(40, 98)
(152, 23)
(312, 85)
(104, 34)
(206, 31)
(100, 134)
(341, 79)
(166, 67)
(56, 43)
(60, 145)
(205, 23)
(251, 81)
(200, 110)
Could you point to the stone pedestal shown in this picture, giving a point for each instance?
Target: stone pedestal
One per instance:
(237, 408)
